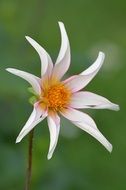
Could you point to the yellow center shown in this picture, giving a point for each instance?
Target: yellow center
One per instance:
(56, 97)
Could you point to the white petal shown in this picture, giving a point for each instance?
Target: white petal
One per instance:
(95, 133)
(46, 62)
(91, 100)
(94, 68)
(36, 116)
(33, 80)
(87, 124)
(63, 60)
(78, 82)
(54, 127)
(78, 116)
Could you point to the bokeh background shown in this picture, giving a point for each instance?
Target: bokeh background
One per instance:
(79, 162)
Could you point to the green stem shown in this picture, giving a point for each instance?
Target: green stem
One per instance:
(29, 169)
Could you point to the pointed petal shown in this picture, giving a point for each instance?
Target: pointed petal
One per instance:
(91, 100)
(54, 127)
(94, 68)
(33, 80)
(87, 125)
(46, 62)
(63, 60)
(78, 116)
(78, 82)
(95, 133)
(36, 116)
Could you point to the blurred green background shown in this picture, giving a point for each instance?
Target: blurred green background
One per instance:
(79, 162)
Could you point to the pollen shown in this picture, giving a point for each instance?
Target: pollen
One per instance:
(56, 97)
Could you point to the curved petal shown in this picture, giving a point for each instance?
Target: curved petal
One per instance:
(95, 133)
(87, 124)
(36, 117)
(78, 116)
(46, 62)
(78, 82)
(33, 80)
(63, 60)
(54, 127)
(94, 68)
(91, 100)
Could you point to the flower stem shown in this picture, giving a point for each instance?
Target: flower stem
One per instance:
(29, 168)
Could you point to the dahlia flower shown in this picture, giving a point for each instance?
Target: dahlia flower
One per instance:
(55, 97)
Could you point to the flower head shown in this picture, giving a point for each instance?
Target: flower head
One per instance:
(55, 97)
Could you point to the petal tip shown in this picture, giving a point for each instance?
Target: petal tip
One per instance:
(110, 148)
(102, 55)
(10, 70)
(60, 23)
(115, 107)
(7, 69)
(101, 52)
(49, 156)
(27, 38)
(17, 140)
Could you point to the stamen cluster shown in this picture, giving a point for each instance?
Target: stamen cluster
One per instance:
(56, 97)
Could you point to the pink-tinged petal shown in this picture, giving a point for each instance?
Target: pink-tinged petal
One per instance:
(46, 62)
(63, 60)
(94, 68)
(36, 117)
(78, 116)
(54, 127)
(95, 133)
(31, 79)
(91, 100)
(87, 124)
(78, 82)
